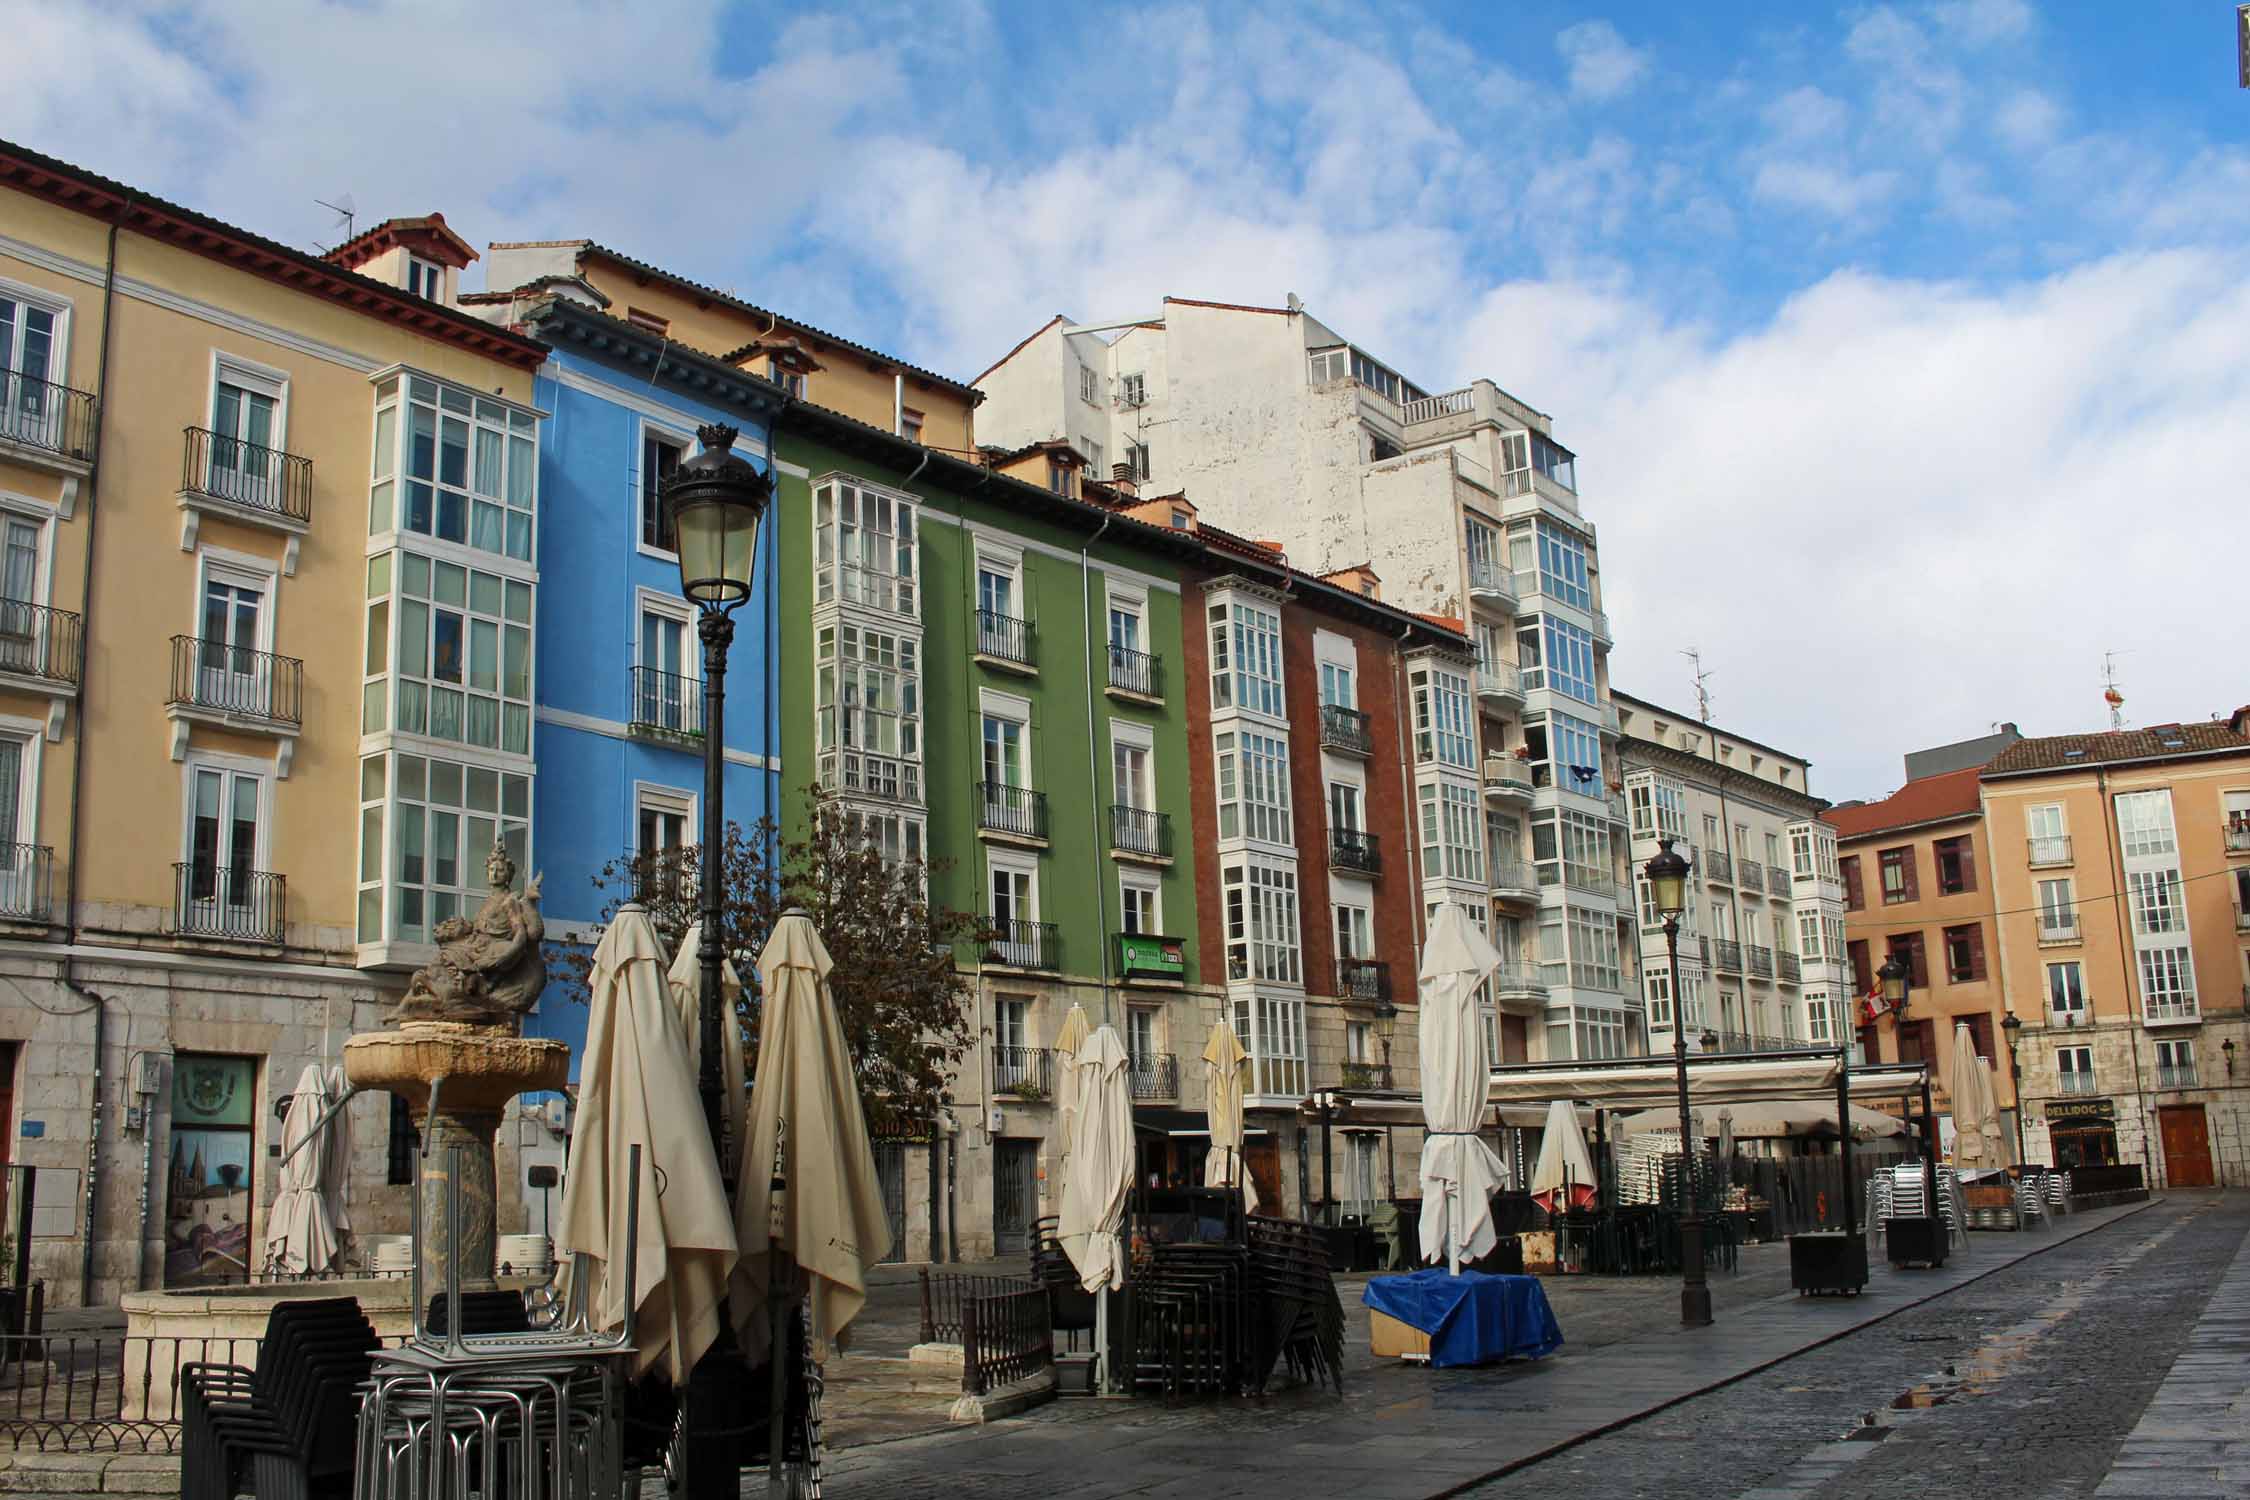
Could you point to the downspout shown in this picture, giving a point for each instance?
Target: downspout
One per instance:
(93, 1001)
(1093, 756)
(2126, 961)
(898, 403)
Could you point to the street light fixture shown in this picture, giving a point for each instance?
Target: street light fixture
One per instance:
(1667, 874)
(2011, 1026)
(715, 503)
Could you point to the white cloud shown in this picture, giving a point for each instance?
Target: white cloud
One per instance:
(2028, 119)
(1603, 65)
(1846, 196)
(1805, 114)
(1980, 23)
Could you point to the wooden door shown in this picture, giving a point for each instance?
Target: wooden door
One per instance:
(1015, 1194)
(890, 1172)
(2187, 1145)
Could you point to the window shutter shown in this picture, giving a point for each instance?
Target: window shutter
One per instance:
(1912, 885)
(1976, 960)
(1968, 863)
(1853, 899)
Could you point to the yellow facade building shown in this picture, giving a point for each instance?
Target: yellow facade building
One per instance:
(2121, 873)
(194, 438)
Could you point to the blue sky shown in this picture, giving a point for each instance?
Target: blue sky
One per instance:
(1905, 345)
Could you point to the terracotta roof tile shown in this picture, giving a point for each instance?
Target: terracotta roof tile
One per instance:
(2062, 752)
(1931, 799)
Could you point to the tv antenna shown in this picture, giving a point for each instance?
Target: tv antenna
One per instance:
(344, 210)
(2110, 694)
(1702, 686)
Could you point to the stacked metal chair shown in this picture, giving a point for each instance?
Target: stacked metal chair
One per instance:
(2058, 1191)
(2030, 1202)
(1295, 1315)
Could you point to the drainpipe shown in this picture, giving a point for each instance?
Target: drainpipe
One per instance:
(898, 403)
(1093, 756)
(94, 1002)
(2127, 962)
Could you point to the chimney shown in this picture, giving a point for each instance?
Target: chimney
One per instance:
(1121, 476)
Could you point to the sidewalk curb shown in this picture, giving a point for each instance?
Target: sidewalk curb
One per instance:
(1621, 1423)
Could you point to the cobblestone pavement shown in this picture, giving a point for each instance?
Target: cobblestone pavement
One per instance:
(2022, 1386)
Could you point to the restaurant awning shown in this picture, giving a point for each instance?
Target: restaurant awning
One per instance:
(1160, 1120)
(1520, 1093)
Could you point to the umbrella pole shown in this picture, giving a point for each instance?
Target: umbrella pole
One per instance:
(781, 1279)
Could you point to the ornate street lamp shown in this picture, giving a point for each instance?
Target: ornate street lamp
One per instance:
(1897, 976)
(1667, 874)
(2011, 1026)
(715, 502)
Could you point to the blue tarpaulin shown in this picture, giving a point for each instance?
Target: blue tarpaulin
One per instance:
(1472, 1318)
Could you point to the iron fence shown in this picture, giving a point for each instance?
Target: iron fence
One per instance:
(1006, 1336)
(942, 1295)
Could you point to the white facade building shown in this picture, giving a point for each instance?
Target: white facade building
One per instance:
(1462, 503)
(1762, 959)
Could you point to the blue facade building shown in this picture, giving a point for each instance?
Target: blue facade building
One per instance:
(619, 681)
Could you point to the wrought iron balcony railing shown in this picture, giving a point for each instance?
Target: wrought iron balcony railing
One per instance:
(1136, 672)
(2058, 927)
(246, 474)
(1363, 979)
(2053, 849)
(1025, 945)
(1355, 849)
(2075, 1083)
(1512, 875)
(47, 417)
(216, 901)
(238, 682)
(2177, 1077)
(1026, 1072)
(1005, 638)
(1154, 1075)
(1753, 875)
(1140, 830)
(1726, 955)
(1718, 867)
(36, 641)
(1015, 810)
(1520, 979)
(1345, 729)
(666, 702)
(1789, 968)
(1363, 1075)
(1761, 961)
(26, 882)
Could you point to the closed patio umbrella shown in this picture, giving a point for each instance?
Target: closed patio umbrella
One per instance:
(686, 984)
(1564, 1178)
(636, 1088)
(1460, 1170)
(1101, 1165)
(1223, 1058)
(1978, 1147)
(304, 1235)
(1074, 1029)
(808, 1130)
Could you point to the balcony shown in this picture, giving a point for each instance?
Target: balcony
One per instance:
(2075, 1017)
(2242, 919)
(46, 424)
(1726, 955)
(1136, 675)
(1506, 779)
(666, 705)
(1514, 880)
(1153, 1075)
(1602, 634)
(225, 476)
(1499, 682)
(1026, 1072)
(2074, 1083)
(1754, 1041)
(1520, 980)
(1367, 980)
(1355, 851)
(2181, 1076)
(2238, 835)
(1014, 813)
(1752, 875)
(2182, 1012)
(1140, 834)
(214, 901)
(1024, 945)
(1619, 814)
(1761, 961)
(844, 767)
(40, 651)
(1345, 729)
(1718, 867)
(27, 874)
(1148, 959)
(1490, 583)
(1008, 643)
(2057, 927)
(1363, 1075)
(2049, 851)
(1611, 725)
(1787, 966)
(231, 687)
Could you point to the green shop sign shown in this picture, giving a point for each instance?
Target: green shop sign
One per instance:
(1163, 957)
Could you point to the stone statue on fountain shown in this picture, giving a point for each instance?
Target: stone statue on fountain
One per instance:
(490, 968)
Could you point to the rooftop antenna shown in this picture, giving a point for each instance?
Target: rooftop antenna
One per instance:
(2110, 693)
(344, 210)
(1702, 686)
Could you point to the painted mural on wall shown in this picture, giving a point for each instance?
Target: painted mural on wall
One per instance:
(207, 1200)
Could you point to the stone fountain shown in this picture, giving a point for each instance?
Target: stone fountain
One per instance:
(455, 1056)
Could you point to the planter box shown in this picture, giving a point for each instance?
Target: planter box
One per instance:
(1915, 1242)
(1824, 1263)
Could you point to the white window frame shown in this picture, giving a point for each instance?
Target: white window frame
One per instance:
(645, 429)
(992, 704)
(420, 268)
(1002, 562)
(2077, 988)
(657, 797)
(1127, 735)
(43, 514)
(673, 607)
(245, 765)
(228, 566)
(33, 734)
(1361, 919)
(997, 861)
(1146, 885)
(1125, 599)
(1089, 385)
(2084, 1056)
(52, 302)
(249, 374)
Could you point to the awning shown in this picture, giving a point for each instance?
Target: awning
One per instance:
(1376, 1107)
(1158, 1120)
(1520, 1093)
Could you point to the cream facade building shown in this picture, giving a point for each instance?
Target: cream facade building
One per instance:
(2121, 875)
(1466, 507)
(1762, 956)
(190, 416)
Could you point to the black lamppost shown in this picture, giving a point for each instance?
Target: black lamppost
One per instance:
(2011, 1026)
(1667, 874)
(714, 503)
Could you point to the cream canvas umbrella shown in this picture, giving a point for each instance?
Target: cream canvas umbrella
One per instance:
(1564, 1178)
(808, 1132)
(303, 1235)
(1460, 1170)
(1978, 1148)
(1074, 1029)
(1223, 1058)
(636, 1088)
(686, 983)
(1101, 1165)
(336, 1173)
